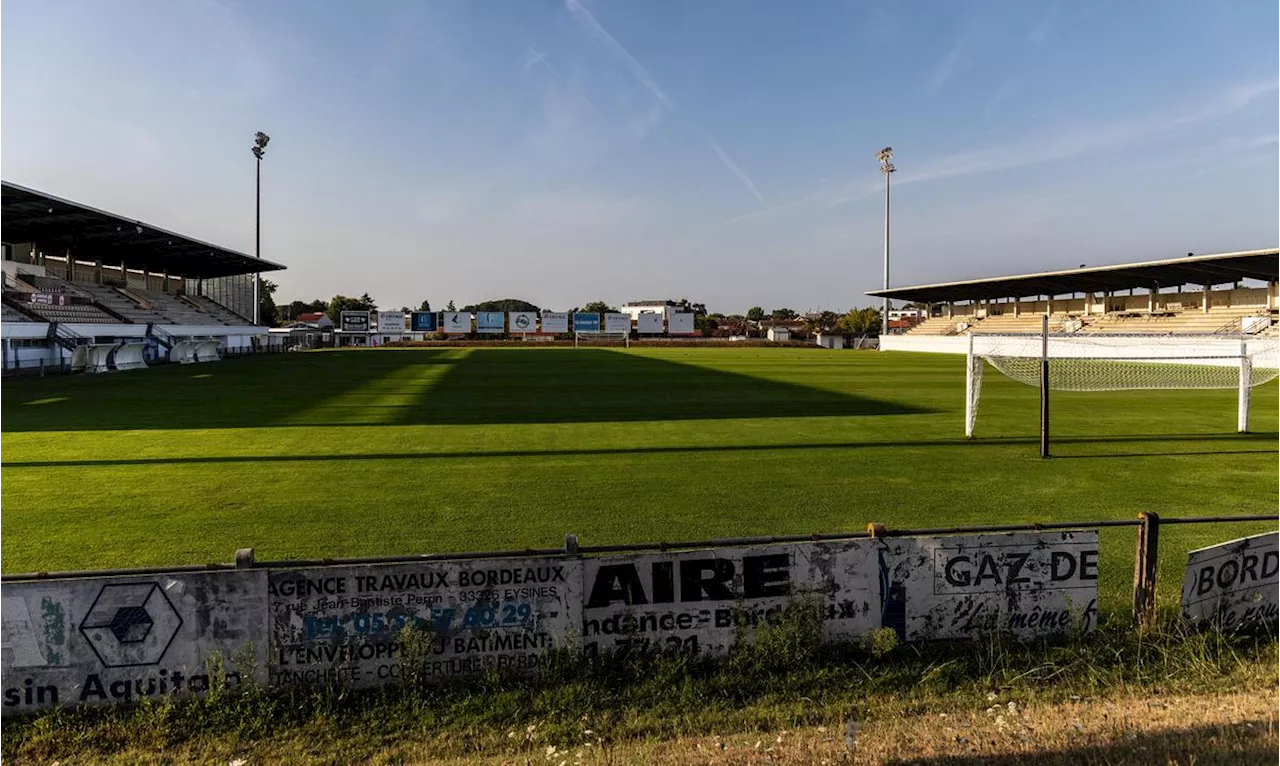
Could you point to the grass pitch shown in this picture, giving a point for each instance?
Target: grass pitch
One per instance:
(361, 453)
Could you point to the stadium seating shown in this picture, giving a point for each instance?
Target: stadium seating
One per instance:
(939, 326)
(9, 315)
(147, 306)
(85, 313)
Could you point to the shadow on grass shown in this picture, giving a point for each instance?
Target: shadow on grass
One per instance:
(1245, 742)
(655, 450)
(419, 387)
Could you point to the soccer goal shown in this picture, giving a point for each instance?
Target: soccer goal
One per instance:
(1106, 362)
(593, 338)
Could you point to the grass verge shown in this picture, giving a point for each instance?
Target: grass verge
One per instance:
(990, 700)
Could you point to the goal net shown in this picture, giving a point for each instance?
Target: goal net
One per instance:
(601, 338)
(1117, 362)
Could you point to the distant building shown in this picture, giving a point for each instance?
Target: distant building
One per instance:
(779, 333)
(636, 308)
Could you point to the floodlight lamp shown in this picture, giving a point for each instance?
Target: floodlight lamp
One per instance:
(260, 139)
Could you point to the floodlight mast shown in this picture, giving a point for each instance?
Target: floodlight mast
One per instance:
(259, 148)
(886, 168)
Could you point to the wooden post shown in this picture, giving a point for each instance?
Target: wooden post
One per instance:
(244, 558)
(1144, 569)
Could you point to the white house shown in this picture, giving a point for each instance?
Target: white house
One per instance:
(636, 308)
(779, 333)
(830, 340)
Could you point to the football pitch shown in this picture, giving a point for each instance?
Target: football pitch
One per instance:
(395, 451)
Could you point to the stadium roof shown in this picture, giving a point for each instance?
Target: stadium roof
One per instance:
(58, 226)
(1216, 269)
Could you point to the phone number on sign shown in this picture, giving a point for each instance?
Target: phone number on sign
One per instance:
(492, 614)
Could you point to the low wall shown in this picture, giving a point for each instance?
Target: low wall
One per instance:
(98, 639)
(946, 344)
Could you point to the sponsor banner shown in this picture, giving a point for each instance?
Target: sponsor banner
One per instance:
(456, 323)
(555, 322)
(1233, 583)
(424, 321)
(119, 639)
(490, 321)
(586, 322)
(1027, 585)
(522, 321)
(649, 323)
(346, 624)
(696, 601)
(391, 322)
(680, 323)
(355, 321)
(617, 322)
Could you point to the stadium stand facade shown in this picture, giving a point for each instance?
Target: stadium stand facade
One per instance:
(90, 290)
(1226, 293)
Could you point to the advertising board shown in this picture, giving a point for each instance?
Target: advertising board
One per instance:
(457, 322)
(649, 323)
(680, 323)
(346, 624)
(490, 321)
(424, 321)
(614, 322)
(120, 639)
(1233, 583)
(586, 322)
(390, 322)
(522, 321)
(355, 321)
(696, 601)
(555, 322)
(1024, 584)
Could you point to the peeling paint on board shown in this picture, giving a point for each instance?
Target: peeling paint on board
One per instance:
(696, 602)
(120, 639)
(343, 624)
(1233, 583)
(1026, 585)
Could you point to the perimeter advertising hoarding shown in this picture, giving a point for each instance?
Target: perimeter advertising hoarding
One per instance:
(649, 323)
(696, 601)
(614, 322)
(522, 321)
(345, 624)
(680, 323)
(391, 322)
(1233, 583)
(555, 322)
(965, 586)
(120, 639)
(355, 321)
(457, 322)
(424, 321)
(489, 321)
(586, 322)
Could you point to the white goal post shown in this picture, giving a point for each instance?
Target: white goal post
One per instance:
(1107, 362)
(599, 335)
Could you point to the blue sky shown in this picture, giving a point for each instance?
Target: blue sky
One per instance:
(564, 152)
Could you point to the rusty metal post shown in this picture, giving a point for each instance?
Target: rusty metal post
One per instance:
(1144, 568)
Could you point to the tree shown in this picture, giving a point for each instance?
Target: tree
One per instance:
(708, 325)
(267, 304)
(450, 307)
(341, 303)
(860, 322)
(784, 314)
(426, 306)
(755, 313)
(295, 309)
(599, 307)
(822, 321)
(504, 305)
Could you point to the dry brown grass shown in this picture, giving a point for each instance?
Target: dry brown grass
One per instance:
(1230, 728)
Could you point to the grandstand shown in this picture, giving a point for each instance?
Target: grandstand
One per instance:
(1220, 293)
(80, 281)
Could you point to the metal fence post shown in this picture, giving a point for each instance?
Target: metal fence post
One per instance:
(571, 545)
(1144, 568)
(244, 558)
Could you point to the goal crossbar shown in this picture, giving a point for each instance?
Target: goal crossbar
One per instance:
(1087, 362)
